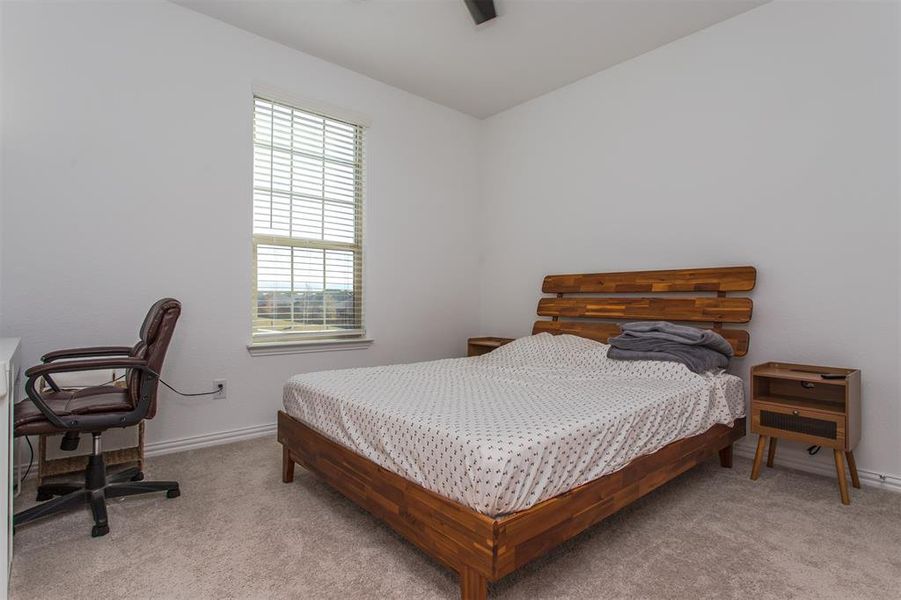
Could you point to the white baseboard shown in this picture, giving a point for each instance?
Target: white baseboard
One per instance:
(868, 478)
(189, 443)
(209, 439)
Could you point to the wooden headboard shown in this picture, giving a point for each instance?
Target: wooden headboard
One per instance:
(595, 317)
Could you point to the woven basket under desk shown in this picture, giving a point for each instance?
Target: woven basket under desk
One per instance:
(54, 467)
(77, 460)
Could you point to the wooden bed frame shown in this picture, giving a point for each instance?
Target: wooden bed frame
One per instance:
(483, 549)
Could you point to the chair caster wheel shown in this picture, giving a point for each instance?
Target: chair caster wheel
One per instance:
(173, 493)
(99, 530)
(43, 496)
(139, 476)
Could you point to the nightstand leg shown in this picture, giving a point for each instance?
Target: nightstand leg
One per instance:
(852, 467)
(771, 455)
(758, 457)
(840, 471)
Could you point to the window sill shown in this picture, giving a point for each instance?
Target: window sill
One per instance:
(270, 348)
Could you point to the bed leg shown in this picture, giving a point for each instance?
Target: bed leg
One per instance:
(287, 466)
(726, 457)
(473, 585)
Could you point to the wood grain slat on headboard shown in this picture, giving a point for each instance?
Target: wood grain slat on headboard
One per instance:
(712, 307)
(601, 332)
(710, 310)
(718, 279)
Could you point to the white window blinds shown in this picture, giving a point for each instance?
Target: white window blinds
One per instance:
(307, 225)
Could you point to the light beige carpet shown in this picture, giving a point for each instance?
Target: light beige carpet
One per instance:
(238, 532)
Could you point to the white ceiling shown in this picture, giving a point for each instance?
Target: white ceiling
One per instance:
(432, 48)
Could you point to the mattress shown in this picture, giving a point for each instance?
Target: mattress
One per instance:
(503, 431)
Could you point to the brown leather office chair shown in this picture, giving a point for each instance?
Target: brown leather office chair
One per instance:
(94, 410)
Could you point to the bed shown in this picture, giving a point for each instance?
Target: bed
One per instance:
(488, 462)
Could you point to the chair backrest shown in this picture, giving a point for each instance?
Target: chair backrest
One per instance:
(155, 335)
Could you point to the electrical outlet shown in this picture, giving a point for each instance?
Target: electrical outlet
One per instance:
(219, 383)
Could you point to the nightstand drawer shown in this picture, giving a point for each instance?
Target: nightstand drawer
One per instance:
(803, 425)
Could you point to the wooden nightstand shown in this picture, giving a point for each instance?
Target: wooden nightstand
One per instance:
(807, 404)
(483, 345)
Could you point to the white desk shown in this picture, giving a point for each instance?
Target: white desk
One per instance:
(9, 376)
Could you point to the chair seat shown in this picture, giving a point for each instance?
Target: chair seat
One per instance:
(102, 399)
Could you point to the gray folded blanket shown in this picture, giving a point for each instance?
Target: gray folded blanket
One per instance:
(700, 350)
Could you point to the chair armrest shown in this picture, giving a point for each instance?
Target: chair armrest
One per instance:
(85, 365)
(44, 370)
(87, 352)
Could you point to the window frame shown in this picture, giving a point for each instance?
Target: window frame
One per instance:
(292, 342)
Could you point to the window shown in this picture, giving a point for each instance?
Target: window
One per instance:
(307, 225)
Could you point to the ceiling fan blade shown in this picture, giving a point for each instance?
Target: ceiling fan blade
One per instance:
(481, 10)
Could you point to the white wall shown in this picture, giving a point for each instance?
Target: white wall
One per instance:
(127, 178)
(770, 139)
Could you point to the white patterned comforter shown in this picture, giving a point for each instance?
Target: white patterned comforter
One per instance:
(504, 431)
